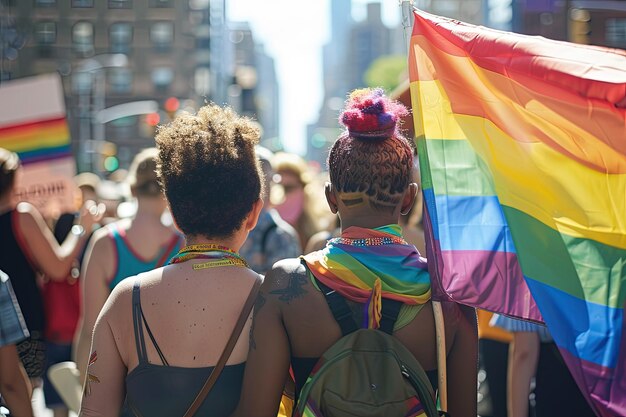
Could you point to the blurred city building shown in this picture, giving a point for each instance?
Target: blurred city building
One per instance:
(253, 89)
(128, 65)
(353, 46)
(593, 22)
(144, 60)
(351, 50)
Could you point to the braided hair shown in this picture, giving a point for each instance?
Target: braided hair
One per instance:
(371, 161)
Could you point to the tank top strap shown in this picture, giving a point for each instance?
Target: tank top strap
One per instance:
(139, 320)
(140, 342)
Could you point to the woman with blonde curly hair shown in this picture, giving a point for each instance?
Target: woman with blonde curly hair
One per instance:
(158, 338)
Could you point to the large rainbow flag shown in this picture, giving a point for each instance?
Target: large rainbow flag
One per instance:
(522, 144)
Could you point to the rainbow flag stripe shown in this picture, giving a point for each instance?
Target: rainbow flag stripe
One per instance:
(37, 141)
(522, 144)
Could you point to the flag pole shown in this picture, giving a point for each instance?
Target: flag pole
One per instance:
(440, 331)
(406, 6)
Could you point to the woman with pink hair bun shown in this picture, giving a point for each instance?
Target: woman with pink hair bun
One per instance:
(370, 263)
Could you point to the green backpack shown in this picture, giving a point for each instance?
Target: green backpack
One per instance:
(366, 373)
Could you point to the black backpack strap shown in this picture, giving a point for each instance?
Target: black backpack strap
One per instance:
(343, 315)
(390, 310)
(340, 309)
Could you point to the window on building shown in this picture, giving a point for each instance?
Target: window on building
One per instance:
(198, 4)
(45, 3)
(162, 35)
(202, 81)
(161, 3)
(616, 32)
(81, 83)
(46, 33)
(120, 4)
(82, 3)
(120, 80)
(82, 38)
(120, 37)
(162, 77)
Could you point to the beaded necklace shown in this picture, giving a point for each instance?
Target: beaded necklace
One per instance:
(369, 241)
(216, 255)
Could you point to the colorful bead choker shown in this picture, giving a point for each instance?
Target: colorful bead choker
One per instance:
(369, 241)
(216, 255)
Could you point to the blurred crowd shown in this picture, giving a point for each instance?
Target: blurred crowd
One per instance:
(70, 265)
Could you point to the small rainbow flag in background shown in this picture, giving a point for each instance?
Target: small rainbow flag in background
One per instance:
(36, 130)
(522, 144)
(33, 124)
(38, 140)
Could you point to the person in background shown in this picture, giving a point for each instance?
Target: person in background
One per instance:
(329, 222)
(61, 299)
(29, 248)
(297, 207)
(15, 388)
(370, 185)
(320, 239)
(87, 183)
(159, 335)
(125, 248)
(558, 393)
(522, 360)
(273, 238)
(111, 194)
(493, 347)
(413, 222)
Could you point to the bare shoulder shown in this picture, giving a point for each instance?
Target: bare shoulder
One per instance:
(101, 244)
(121, 294)
(100, 234)
(287, 281)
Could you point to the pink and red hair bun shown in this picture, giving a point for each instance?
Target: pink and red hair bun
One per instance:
(369, 114)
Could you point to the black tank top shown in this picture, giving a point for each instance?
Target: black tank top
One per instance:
(23, 278)
(165, 390)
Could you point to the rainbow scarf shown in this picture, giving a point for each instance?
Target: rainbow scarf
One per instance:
(365, 273)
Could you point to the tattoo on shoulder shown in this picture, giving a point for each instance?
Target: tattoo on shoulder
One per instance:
(294, 287)
(258, 304)
(91, 378)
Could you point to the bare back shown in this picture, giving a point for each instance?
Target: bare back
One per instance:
(190, 313)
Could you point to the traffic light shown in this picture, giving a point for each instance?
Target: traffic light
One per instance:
(148, 124)
(171, 105)
(153, 119)
(108, 156)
